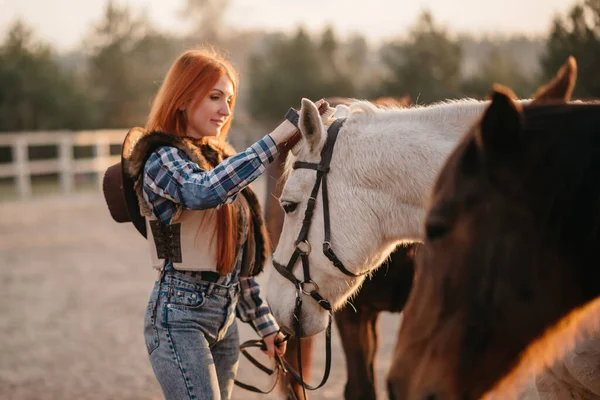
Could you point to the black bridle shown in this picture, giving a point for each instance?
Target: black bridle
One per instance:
(322, 169)
(307, 286)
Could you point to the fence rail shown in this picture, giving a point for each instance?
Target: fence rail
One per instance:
(66, 165)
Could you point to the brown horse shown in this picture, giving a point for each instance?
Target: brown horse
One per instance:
(387, 290)
(512, 239)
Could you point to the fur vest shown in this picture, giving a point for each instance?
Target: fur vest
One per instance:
(207, 154)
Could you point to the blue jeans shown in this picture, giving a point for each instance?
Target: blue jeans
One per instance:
(192, 337)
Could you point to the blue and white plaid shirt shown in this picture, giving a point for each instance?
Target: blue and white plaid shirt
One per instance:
(172, 179)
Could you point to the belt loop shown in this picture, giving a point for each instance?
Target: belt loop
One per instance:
(211, 288)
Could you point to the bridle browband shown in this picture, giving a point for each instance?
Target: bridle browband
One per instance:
(308, 286)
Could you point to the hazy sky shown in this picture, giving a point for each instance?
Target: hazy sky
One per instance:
(65, 22)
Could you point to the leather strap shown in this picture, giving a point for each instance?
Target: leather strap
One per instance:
(292, 116)
(281, 365)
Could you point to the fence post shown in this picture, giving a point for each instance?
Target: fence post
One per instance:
(21, 156)
(102, 153)
(66, 162)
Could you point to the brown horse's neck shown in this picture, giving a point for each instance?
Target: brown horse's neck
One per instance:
(557, 185)
(273, 213)
(561, 171)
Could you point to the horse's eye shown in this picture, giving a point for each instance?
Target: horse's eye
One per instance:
(288, 206)
(436, 227)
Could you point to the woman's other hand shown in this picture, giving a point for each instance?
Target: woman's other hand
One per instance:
(275, 342)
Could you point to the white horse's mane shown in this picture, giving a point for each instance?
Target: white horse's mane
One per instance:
(364, 111)
(455, 107)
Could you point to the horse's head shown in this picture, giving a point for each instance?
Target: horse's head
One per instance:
(350, 217)
(509, 207)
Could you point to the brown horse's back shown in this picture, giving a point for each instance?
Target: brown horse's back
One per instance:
(388, 288)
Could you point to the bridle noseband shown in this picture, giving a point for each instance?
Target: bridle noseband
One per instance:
(303, 248)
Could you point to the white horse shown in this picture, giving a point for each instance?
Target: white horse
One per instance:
(384, 164)
(382, 168)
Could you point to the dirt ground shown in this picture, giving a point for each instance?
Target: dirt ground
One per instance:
(74, 289)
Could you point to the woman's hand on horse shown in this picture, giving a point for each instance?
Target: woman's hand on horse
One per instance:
(283, 132)
(275, 342)
(286, 130)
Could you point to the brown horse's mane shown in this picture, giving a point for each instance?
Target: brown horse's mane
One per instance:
(563, 166)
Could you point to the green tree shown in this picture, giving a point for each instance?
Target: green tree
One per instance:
(35, 93)
(336, 80)
(576, 34)
(328, 49)
(355, 65)
(292, 68)
(207, 19)
(127, 61)
(284, 73)
(498, 68)
(426, 66)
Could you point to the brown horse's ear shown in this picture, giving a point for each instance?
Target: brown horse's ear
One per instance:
(499, 128)
(310, 124)
(561, 87)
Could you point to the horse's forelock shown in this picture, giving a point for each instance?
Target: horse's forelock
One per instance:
(288, 167)
(363, 107)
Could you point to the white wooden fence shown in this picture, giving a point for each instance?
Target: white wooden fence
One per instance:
(21, 168)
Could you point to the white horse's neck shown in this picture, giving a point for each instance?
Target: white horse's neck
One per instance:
(397, 155)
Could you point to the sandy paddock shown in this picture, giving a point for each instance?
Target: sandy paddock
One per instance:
(74, 289)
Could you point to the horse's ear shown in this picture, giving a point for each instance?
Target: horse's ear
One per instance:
(500, 126)
(561, 87)
(310, 124)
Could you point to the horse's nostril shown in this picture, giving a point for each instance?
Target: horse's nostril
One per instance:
(430, 396)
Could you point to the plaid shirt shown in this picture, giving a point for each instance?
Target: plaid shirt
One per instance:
(171, 179)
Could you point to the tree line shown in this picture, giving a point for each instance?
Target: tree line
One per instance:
(110, 81)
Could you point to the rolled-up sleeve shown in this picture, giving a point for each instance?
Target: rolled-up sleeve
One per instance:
(251, 308)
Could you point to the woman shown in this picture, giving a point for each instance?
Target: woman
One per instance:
(204, 237)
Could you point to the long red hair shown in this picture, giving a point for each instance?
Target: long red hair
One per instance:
(190, 79)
